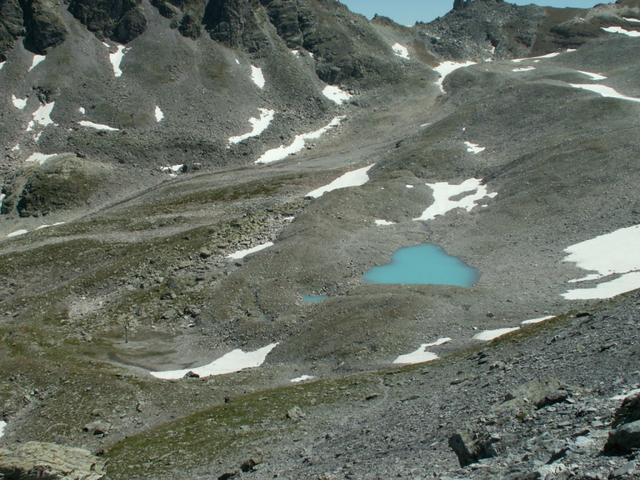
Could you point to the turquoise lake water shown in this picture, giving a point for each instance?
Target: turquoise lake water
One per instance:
(314, 298)
(425, 264)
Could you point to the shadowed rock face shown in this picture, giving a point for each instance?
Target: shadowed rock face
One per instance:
(234, 23)
(11, 25)
(120, 20)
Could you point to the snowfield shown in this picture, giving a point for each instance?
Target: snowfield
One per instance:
(40, 158)
(401, 51)
(37, 60)
(447, 68)
(257, 77)
(240, 254)
(604, 91)
(593, 76)
(42, 116)
(488, 335)
(298, 144)
(614, 253)
(17, 233)
(258, 126)
(116, 59)
(336, 94)
(232, 362)
(3, 425)
(19, 103)
(159, 114)
(421, 355)
(537, 320)
(622, 31)
(97, 126)
(355, 178)
(443, 192)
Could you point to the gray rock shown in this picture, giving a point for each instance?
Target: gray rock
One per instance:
(624, 439)
(295, 413)
(36, 460)
(628, 412)
(470, 447)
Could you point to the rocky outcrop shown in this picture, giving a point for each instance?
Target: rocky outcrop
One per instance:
(37, 20)
(120, 20)
(36, 460)
(471, 447)
(234, 23)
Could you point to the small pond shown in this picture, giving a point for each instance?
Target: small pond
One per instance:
(424, 264)
(314, 298)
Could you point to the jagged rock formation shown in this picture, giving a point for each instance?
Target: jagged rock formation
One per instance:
(37, 460)
(120, 20)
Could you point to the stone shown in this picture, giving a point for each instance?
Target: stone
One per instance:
(96, 428)
(625, 439)
(470, 447)
(629, 411)
(36, 460)
(295, 413)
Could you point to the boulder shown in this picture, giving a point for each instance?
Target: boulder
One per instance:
(624, 439)
(37, 460)
(472, 447)
(628, 412)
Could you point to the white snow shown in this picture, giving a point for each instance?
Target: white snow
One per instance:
(548, 55)
(2, 65)
(400, 51)
(3, 425)
(446, 68)
(614, 253)
(298, 144)
(593, 76)
(302, 378)
(97, 126)
(384, 223)
(474, 148)
(410, 186)
(623, 396)
(173, 170)
(443, 192)
(335, 94)
(19, 103)
(523, 69)
(632, 20)
(240, 254)
(42, 116)
(295, 53)
(159, 114)
(49, 226)
(15, 148)
(622, 31)
(421, 355)
(82, 110)
(488, 335)
(2, 197)
(537, 320)
(257, 77)
(37, 59)
(258, 125)
(17, 233)
(604, 91)
(354, 178)
(233, 361)
(40, 158)
(116, 59)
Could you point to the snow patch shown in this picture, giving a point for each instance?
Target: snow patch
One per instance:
(257, 77)
(258, 125)
(298, 144)
(3, 425)
(97, 126)
(604, 91)
(19, 103)
(523, 69)
(400, 51)
(233, 361)
(632, 20)
(16, 148)
(443, 192)
(421, 355)
(159, 114)
(116, 59)
(489, 335)
(173, 170)
(541, 57)
(622, 31)
(295, 53)
(537, 320)
(82, 110)
(354, 178)
(42, 116)
(384, 223)
(17, 233)
(593, 76)
(446, 68)
(240, 254)
(335, 94)
(2, 65)
(614, 253)
(37, 60)
(410, 186)
(40, 158)
(41, 227)
(302, 378)
(474, 148)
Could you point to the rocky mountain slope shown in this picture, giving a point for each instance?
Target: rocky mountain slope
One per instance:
(193, 194)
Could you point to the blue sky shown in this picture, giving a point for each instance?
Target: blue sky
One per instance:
(407, 12)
